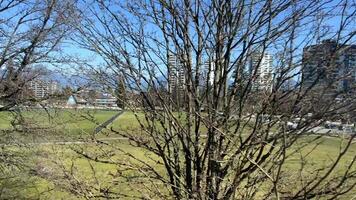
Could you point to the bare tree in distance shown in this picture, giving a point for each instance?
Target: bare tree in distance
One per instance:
(31, 34)
(210, 130)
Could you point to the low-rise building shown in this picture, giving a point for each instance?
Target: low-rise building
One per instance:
(100, 100)
(75, 100)
(106, 100)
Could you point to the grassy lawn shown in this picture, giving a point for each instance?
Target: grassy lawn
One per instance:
(5, 119)
(52, 160)
(54, 125)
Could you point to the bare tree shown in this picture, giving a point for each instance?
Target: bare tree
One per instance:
(31, 35)
(215, 126)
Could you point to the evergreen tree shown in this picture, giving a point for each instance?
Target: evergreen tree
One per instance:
(121, 93)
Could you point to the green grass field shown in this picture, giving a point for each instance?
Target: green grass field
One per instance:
(54, 125)
(52, 160)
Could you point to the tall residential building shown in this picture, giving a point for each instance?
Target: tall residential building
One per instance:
(209, 73)
(176, 74)
(41, 88)
(260, 68)
(329, 65)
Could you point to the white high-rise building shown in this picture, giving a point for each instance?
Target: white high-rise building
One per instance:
(42, 88)
(209, 66)
(260, 67)
(176, 74)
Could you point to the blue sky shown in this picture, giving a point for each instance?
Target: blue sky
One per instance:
(69, 48)
(332, 22)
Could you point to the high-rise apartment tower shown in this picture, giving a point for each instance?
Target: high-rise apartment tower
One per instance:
(260, 68)
(176, 74)
(329, 65)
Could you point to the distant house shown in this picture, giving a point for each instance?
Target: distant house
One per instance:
(76, 101)
(101, 100)
(105, 100)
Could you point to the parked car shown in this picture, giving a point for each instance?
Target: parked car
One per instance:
(348, 128)
(333, 125)
(291, 126)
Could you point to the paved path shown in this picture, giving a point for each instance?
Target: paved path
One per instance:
(76, 142)
(109, 121)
